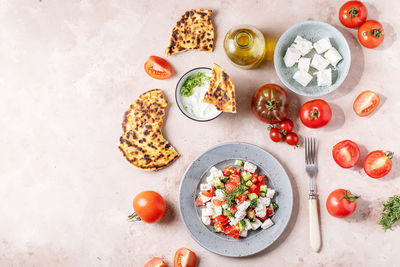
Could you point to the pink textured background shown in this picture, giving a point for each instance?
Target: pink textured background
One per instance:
(68, 71)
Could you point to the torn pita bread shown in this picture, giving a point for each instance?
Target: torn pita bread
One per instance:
(142, 142)
(221, 92)
(193, 31)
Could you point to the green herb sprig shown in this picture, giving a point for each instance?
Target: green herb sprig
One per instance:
(194, 80)
(231, 196)
(390, 213)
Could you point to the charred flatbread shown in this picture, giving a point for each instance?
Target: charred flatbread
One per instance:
(221, 92)
(193, 31)
(142, 142)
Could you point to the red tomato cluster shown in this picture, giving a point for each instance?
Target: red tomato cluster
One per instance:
(353, 14)
(283, 131)
(183, 258)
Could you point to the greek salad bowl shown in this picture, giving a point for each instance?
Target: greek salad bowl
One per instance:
(247, 223)
(191, 105)
(318, 79)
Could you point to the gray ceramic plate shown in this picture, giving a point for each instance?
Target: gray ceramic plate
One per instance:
(221, 156)
(312, 31)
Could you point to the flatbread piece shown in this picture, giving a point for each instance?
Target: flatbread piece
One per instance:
(221, 92)
(193, 31)
(142, 142)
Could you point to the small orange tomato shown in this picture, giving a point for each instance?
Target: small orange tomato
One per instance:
(149, 207)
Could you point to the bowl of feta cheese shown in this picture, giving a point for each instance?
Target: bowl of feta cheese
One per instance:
(312, 58)
(190, 92)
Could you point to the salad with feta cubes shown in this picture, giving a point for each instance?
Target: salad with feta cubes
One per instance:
(236, 200)
(325, 55)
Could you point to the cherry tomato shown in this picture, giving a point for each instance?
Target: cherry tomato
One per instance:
(292, 139)
(341, 203)
(185, 258)
(286, 126)
(366, 103)
(235, 179)
(378, 163)
(270, 211)
(158, 68)
(209, 193)
(230, 187)
(352, 14)
(155, 262)
(199, 202)
(371, 34)
(240, 199)
(149, 206)
(233, 209)
(231, 230)
(276, 135)
(346, 153)
(222, 220)
(315, 113)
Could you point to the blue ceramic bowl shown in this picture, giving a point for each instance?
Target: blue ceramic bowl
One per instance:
(312, 31)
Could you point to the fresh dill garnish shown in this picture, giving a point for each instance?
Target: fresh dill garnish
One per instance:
(390, 213)
(231, 196)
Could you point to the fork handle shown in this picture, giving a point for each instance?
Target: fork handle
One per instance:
(315, 232)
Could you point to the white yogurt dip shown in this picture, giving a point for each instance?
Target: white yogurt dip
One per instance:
(194, 104)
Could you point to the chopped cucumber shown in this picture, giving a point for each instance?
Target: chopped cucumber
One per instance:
(251, 214)
(246, 176)
(226, 213)
(249, 183)
(224, 179)
(263, 188)
(218, 184)
(242, 225)
(263, 194)
(238, 162)
(253, 196)
(253, 203)
(252, 220)
(274, 205)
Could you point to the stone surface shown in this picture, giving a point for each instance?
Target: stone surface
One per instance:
(68, 71)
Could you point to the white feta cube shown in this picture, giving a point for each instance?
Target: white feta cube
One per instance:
(205, 187)
(267, 223)
(324, 77)
(270, 193)
(243, 206)
(303, 45)
(266, 201)
(302, 77)
(333, 56)
(239, 215)
(206, 220)
(292, 56)
(204, 198)
(248, 224)
(243, 233)
(218, 174)
(210, 179)
(250, 167)
(217, 210)
(206, 211)
(322, 45)
(234, 221)
(219, 194)
(261, 209)
(213, 169)
(255, 225)
(304, 63)
(319, 62)
(225, 206)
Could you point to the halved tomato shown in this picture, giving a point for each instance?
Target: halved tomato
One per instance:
(231, 230)
(234, 179)
(240, 199)
(199, 202)
(184, 258)
(366, 103)
(209, 193)
(155, 262)
(230, 187)
(222, 220)
(218, 202)
(158, 68)
(378, 163)
(346, 153)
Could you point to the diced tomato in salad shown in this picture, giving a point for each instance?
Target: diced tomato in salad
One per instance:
(238, 200)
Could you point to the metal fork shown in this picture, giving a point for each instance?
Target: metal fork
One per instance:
(311, 169)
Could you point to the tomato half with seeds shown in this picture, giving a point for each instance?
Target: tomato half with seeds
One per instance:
(185, 258)
(353, 14)
(371, 34)
(341, 203)
(346, 153)
(158, 68)
(378, 163)
(366, 103)
(315, 113)
(155, 262)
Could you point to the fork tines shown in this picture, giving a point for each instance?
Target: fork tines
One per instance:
(310, 151)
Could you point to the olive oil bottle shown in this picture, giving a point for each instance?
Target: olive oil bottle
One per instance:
(245, 46)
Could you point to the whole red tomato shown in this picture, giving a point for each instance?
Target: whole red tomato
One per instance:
(341, 203)
(270, 103)
(378, 163)
(371, 34)
(149, 207)
(352, 14)
(315, 113)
